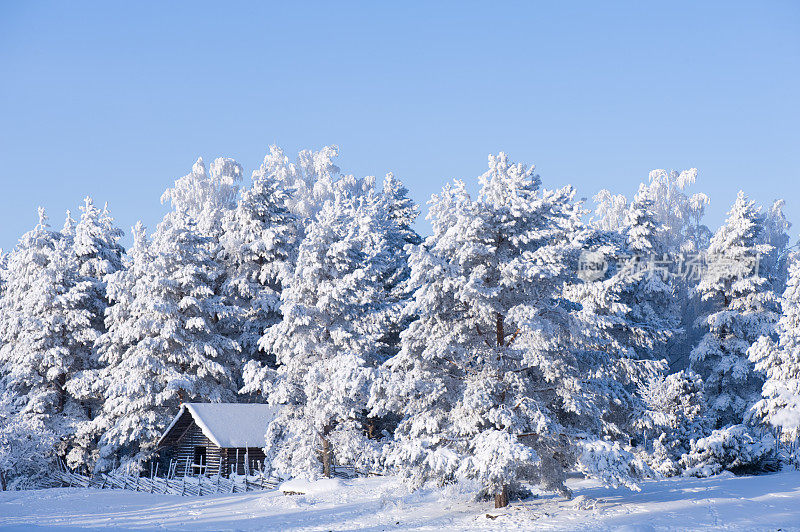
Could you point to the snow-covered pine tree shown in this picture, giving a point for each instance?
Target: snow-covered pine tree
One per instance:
(737, 448)
(292, 193)
(743, 307)
(486, 381)
(97, 253)
(779, 361)
(45, 326)
(205, 199)
(674, 416)
(398, 213)
(681, 235)
(206, 196)
(311, 180)
(610, 212)
(627, 314)
(163, 346)
(632, 304)
(336, 309)
(654, 317)
(260, 242)
(776, 233)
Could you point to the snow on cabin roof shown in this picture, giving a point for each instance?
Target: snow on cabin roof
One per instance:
(230, 424)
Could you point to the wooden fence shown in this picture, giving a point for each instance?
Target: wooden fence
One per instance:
(187, 486)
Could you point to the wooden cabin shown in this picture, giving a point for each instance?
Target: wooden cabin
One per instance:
(216, 438)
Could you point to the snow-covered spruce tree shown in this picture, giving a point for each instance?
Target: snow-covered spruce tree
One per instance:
(743, 308)
(398, 213)
(779, 362)
(400, 208)
(27, 440)
(487, 380)
(112, 347)
(45, 327)
(163, 346)
(336, 309)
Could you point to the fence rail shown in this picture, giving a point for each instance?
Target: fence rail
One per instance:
(187, 486)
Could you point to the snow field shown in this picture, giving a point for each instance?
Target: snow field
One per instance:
(768, 502)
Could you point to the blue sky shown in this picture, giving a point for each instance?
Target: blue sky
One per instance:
(116, 100)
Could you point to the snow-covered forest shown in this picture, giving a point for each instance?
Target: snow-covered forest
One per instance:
(528, 336)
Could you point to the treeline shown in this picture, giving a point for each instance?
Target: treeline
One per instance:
(523, 339)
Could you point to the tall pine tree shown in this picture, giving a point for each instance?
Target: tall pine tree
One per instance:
(45, 326)
(337, 307)
(483, 381)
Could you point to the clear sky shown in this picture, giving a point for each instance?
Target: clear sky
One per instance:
(116, 100)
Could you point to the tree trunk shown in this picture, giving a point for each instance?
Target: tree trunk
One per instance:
(61, 382)
(501, 336)
(501, 497)
(326, 457)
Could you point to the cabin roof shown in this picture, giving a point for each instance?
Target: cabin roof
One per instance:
(229, 425)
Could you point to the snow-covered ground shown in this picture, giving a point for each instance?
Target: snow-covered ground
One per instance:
(769, 502)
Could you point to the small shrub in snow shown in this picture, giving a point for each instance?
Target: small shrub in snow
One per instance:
(612, 464)
(674, 415)
(736, 448)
